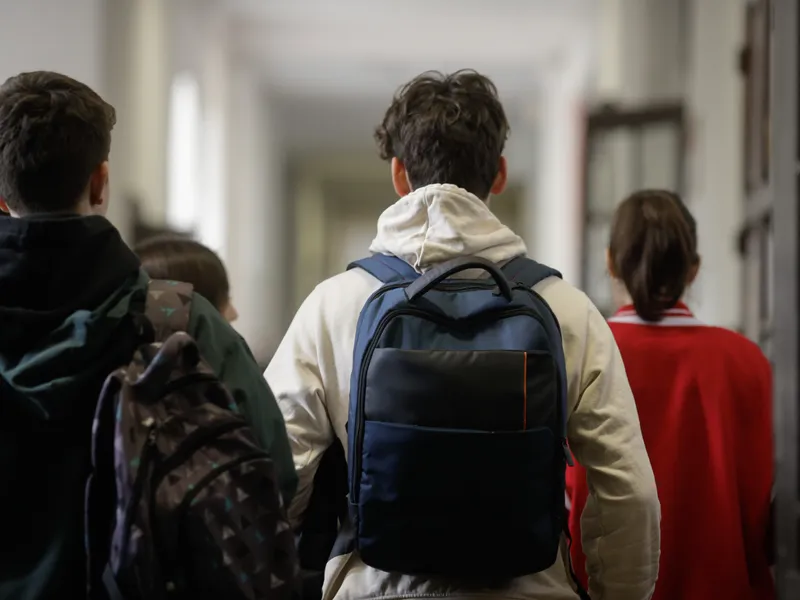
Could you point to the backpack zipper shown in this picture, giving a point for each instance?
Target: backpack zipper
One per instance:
(442, 286)
(193, 442)
(147, 454)
(169, 567)
(213, 474)
(382, 324)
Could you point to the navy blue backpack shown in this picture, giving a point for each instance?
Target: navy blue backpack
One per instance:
(457, 422)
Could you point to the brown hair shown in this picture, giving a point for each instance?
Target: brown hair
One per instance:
(54, 131)
(183, 259)
(653, 249)
(446, 129)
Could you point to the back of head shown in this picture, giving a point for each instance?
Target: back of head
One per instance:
(54, 132)
(446, 129)
(653, 250)
(182, 259)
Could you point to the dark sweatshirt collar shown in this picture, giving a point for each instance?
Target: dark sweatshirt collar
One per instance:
(53, 266)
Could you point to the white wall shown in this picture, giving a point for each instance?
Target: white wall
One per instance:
(71, 43)
(212, 44)
(715, 100)
(240, 209)
(257, 213)
(552, 214)
(117, 47)
(553, 207)
(640, 51)
(201, 55)
(148, 68)
(650, 51)
(137, 68)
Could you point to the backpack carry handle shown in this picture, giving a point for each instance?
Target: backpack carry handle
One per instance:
(435, 276)
(180, 351)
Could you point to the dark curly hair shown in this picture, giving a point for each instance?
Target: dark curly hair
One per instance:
(54, 131)
(446, 129)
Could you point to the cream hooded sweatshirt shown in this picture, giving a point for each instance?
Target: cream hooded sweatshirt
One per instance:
(310, 376)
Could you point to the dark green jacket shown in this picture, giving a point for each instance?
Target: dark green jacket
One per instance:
(69, 288)
(230, 357)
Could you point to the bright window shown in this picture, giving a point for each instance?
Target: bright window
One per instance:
(184, 200)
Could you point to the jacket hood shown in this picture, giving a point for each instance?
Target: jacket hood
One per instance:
(66, 286)
(440, 222)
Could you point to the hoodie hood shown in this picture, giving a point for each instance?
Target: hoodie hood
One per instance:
(66, 286)
(440, 222)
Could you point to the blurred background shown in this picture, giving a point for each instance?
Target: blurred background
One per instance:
(248, 124)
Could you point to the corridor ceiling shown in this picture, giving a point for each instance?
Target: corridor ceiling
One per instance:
(347, 57)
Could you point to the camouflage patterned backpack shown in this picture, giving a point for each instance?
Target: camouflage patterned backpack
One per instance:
(181, 503)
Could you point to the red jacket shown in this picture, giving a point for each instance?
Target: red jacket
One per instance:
(704, 396)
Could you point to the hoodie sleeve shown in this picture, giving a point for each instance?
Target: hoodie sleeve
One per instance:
(230, 357)
(296, 374)
(621, 521)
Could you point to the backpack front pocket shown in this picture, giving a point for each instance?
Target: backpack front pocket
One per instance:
(458, 503)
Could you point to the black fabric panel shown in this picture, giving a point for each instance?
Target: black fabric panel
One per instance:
(480, 390)
(459, 505)
(326, 509)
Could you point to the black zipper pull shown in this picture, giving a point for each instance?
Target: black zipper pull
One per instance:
(567, 453)
(150, 423)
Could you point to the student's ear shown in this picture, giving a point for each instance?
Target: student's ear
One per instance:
(98, 189)
(693, 272)
(400, 178)
(501, 178)
(229, 312)
(4, 206)
(610, 265)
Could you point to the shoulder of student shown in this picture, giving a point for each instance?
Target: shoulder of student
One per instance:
(216, 338)
(570, 305)
(341, 295)
(348, 291)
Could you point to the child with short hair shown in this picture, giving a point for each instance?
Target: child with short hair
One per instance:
(184, 259)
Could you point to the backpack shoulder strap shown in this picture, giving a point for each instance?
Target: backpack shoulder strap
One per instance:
(168, 307)
(527, 272)
(100, 498)
(388, 269)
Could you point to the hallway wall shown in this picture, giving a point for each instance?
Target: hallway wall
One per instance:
(714, 95)
(241, 204)
(687, 50)
(240, 209)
